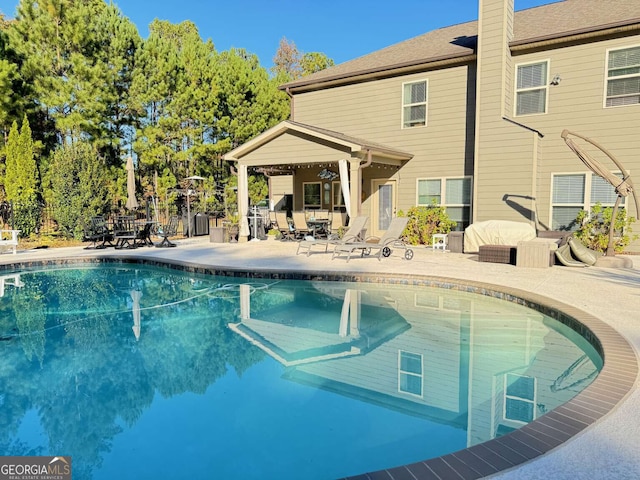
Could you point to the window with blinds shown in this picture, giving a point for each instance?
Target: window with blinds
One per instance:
(519, 398)
(452, 193)
(414, 104)
(410, 373)
(429, 192)
(531, 88)
(572, 193)
(623, 77)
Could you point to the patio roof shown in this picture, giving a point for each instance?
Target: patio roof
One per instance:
(356, 146)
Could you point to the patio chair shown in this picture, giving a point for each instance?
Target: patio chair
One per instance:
(285, 227)
(98, 233)
(125, 232)
(337, 222)
(383, 245)
(168, 230)
(353, 235)
(300, 224)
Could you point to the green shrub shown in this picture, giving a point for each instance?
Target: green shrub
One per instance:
(26, 217)
(424, 222)
(594, 228)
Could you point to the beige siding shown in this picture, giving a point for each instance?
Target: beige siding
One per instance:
(373, 111)
(577, 104)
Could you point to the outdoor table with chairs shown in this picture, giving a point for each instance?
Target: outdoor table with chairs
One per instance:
(125, 232)
(318, 227)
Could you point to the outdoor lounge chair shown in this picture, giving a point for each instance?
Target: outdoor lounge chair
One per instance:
(563, 254)
(352, 235)
(285, 227)
(391, 238)
(582, 252)
(168, 230)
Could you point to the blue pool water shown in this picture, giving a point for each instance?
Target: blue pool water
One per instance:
(145, 372)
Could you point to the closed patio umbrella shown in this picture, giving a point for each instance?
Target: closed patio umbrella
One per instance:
(135, 296)
(132, 202)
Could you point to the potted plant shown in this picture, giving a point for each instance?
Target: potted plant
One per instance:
(273, 234)
(233, 227)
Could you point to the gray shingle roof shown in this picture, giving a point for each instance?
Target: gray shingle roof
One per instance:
(555, 20)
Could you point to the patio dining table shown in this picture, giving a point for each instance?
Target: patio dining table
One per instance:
(318, 227)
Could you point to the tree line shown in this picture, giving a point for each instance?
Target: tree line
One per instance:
(80, 91)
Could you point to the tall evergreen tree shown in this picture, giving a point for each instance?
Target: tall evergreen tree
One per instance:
(249, 101)
(22, 179)
(77, 54)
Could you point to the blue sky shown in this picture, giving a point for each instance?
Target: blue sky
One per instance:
(343, 30)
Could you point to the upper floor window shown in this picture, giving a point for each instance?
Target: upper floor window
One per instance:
(414, 104)
(519, 398)
(452, 193)
(531, 88)
(410, 374)
(623, 77)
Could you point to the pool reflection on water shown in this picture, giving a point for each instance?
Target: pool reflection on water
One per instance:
(141, 372)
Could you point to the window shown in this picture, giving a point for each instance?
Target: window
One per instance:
(414, 104)
(410, 373)
(452, 193)
(623, 77)
(311, 194)
(531, 89)
(338, 198)
(574, 192)
(519, 397)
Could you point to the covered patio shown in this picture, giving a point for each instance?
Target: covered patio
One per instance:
(328, 169)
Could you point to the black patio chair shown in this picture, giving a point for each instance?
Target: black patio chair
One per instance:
(98, 233)
(168, 230)
(125, 232)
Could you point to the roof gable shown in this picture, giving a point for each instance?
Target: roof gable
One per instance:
(353, 144)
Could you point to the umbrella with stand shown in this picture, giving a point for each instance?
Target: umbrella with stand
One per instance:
(623, 186)
(132, 202)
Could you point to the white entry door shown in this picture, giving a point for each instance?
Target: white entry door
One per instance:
(383, 205)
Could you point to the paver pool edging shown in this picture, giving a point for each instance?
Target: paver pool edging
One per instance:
(542, 435)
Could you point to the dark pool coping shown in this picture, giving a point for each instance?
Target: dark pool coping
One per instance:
(544, 434)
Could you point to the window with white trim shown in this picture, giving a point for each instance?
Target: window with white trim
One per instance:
(311, 194)
(519, 398)
(452, 193)
(338, 198)
(531, 88)
(574, 192)
(414, 104)
(623, 77)
(410, 373)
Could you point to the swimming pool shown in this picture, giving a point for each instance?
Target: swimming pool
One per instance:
(138, 372)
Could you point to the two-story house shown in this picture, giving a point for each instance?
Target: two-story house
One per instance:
(469, 116)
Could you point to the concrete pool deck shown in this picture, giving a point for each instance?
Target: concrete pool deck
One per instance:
(607, 449)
